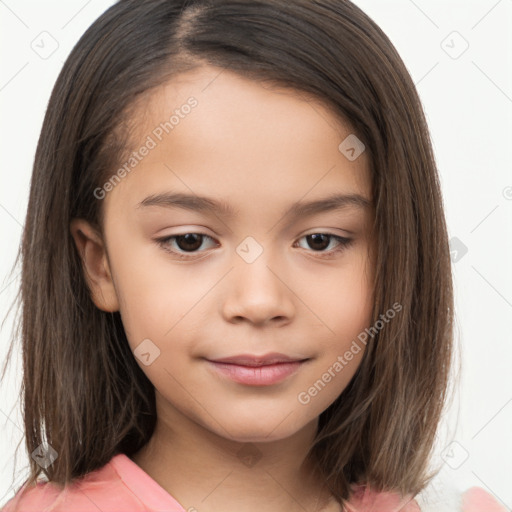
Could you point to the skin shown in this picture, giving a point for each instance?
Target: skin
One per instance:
(260, 149)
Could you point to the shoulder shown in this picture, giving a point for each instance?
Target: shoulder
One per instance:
(99, 490)
(477, 500)
(364, 499)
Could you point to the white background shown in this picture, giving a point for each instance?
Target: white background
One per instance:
(468, 102)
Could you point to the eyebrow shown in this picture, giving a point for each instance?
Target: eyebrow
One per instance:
(221, 208)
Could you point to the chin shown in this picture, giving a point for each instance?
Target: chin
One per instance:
(260, 428)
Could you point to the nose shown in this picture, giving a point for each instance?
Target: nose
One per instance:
(259, 292)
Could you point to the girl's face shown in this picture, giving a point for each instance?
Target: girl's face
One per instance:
(236, 165)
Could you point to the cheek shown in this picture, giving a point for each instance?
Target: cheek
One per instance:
(154, 297)
(344, 306)
(341, 299)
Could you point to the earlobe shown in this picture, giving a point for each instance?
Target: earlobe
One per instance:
(91, 249)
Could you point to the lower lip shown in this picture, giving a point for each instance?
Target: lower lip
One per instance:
(257, 375)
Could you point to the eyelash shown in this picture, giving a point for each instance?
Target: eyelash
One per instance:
(344, 243)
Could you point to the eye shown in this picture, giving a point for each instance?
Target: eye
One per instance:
(186, 243)
(191, 243)
(320, 241)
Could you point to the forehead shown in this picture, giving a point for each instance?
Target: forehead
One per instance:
(212, 132)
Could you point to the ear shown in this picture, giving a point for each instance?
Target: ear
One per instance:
(96, 266)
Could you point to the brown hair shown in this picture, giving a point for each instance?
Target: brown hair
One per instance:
(83, 392)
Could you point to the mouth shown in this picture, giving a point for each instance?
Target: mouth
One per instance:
(256, 370)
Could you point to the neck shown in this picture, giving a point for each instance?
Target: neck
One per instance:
(206, 472)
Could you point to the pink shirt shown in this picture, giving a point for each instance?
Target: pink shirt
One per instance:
(121, 485)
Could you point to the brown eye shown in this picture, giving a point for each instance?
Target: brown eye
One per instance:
(319, 242)
(180, 245)
(189, 242)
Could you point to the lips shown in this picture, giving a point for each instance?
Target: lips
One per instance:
(254, 370)
(255, 360)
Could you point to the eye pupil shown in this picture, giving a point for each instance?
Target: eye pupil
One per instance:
(317, 237)
(189, 238)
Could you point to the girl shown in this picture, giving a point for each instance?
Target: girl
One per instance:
(236, 280)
